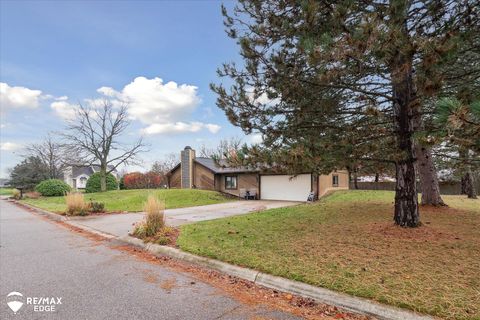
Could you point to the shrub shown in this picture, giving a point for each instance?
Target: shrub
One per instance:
(52, 188)
(96, 207)
(140, 230)
(154, 221)
(155, 215)
(134, 180)
(165, 236)
(76, 205)
(153, 180)
(121, 184)
(138, 180)
(93, 183)
(16, 194)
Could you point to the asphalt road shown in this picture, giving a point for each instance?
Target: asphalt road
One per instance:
(41, 259)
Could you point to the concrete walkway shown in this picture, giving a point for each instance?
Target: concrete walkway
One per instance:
(121, 224)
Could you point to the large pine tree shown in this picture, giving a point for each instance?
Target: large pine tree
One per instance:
(329, 83)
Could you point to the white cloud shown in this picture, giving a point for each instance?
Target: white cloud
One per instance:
(213, 128)
(261, 99)
(10, 146)
(163, 107)
(64, 110)
(18, 97)
(108, 91)
(255, 138)
(179, 127)
(152, 101)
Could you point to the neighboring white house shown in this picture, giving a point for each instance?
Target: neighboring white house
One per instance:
(3, 183)
(76, 176)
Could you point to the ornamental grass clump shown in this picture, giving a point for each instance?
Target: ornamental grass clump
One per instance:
(153, 228)
(155, 220)
(76, 205)
(16, 194)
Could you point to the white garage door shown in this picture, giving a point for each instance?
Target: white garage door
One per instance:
(283, 187)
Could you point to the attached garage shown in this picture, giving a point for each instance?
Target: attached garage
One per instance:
(285, 187)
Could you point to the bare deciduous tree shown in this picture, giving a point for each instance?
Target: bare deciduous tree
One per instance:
(163, 167)
(223, 149)
(94, 136)
(52, 153)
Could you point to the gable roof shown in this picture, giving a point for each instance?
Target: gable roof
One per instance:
(222, 166)
(78, 170)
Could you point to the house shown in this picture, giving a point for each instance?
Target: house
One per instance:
(205, 173)
(4, 183)
(76, 176)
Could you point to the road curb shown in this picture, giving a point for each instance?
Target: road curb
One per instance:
(229, 269)
(91, 230)
(45, 213)
(322, 295)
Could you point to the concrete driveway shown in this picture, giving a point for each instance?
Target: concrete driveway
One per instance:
(122, 224)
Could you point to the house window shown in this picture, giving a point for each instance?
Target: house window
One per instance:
(230, 182)
(335, 180)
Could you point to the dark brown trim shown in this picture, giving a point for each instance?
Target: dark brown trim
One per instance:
(173, 169)
(259, 183)
(333, 179)
(230, 176)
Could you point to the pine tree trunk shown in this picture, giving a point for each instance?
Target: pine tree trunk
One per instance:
(428, 177)
(463, 184)
(470, 189)
(406, 196)
(355, 179)
(406, 107)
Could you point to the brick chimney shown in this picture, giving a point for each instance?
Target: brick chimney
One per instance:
(186, 159)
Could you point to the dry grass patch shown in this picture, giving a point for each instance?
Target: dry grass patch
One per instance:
(76, 205)
(347, 242)
(153, 229)
(16, 194)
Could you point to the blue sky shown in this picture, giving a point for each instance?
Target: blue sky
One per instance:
(55, 54)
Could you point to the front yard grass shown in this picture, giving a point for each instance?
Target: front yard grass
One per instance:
(133, 200)
(347, 242)
(6, 191)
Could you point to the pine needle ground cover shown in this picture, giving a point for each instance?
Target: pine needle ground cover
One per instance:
(133, 200)
(347, 242)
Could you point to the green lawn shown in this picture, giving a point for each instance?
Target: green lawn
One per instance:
(6, 191)
(133, 200)
(347, 242)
